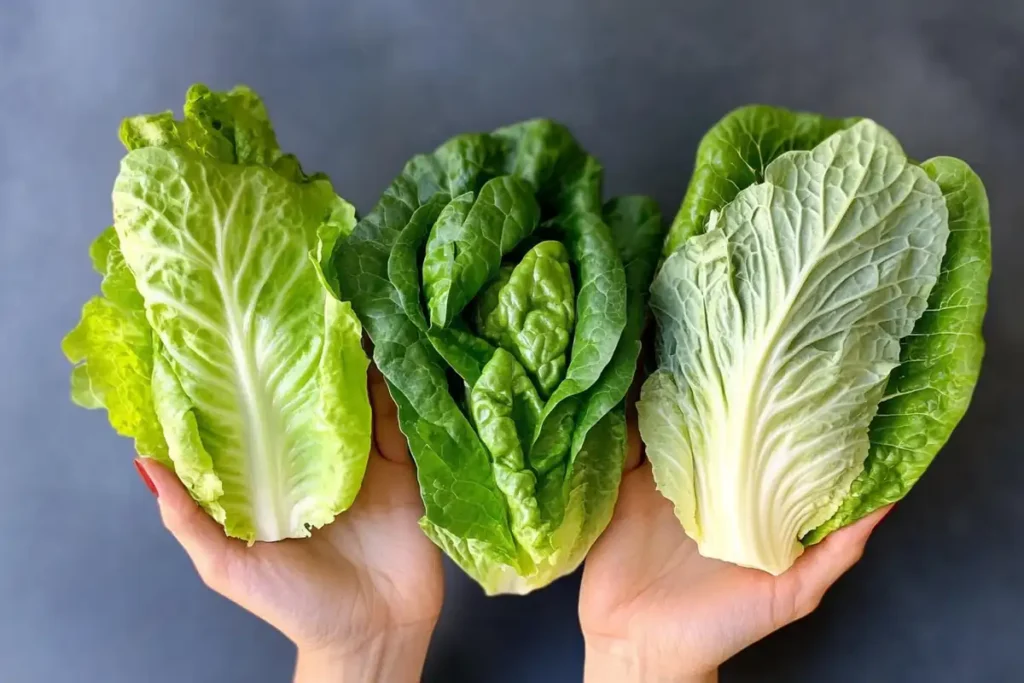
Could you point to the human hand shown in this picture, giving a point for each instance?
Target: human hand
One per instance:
(653, 609)
(360, 597)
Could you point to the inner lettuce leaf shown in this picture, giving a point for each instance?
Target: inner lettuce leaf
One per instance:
(219, 343)
(819, 320)
(506, 305)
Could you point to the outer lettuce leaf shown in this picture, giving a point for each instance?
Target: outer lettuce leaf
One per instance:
(465, 513)
(928, 391)
(219, 331)
(112, 348)
(637, 230)
(530, 346)
(735, 153)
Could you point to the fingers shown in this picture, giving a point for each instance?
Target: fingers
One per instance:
(386, 434)
(823, 564)
(634, 444)
(202, 538)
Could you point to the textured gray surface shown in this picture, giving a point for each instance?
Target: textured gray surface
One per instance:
(93, 590)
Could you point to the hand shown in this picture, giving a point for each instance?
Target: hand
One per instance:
(360, 597)
(653, 609)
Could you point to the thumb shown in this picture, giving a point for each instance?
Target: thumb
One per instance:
(210, 550)
(823, 564)
(386, 434)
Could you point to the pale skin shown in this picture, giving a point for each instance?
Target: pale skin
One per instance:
(652, 609)
(361, 597)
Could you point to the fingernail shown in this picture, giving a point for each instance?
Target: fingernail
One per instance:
(145, 477)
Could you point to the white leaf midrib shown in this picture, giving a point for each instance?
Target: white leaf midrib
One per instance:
(747, 492)
(263, 450)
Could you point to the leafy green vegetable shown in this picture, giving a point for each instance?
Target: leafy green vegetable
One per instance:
(506, 304)
(218, 343)
(819, 330)
(928, 393)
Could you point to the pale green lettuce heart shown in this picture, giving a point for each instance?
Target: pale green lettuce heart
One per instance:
(529, 311)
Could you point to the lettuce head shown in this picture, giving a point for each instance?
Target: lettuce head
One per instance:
(218, 343)
(819, 319)
(506, 305)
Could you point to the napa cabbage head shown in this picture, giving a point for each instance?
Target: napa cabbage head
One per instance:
(505, 302)
(819, 319)
(218, 343)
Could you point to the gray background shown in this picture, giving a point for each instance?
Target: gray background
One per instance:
(92, 588)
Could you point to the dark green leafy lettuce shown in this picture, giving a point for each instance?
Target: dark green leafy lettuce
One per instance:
(506, 304)
(927, 391)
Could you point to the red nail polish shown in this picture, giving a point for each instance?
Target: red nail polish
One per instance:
(145, 477)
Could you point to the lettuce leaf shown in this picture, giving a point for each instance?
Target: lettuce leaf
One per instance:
(218, 343)
(803, 289)
(930, 390)
(505, 304)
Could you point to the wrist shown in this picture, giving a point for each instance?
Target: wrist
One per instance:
(611, 660)
(396, 656)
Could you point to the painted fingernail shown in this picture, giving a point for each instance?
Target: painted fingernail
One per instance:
(145, 477)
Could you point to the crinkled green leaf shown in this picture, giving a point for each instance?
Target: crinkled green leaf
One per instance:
(463, 351)
(735, 153)
(526, 295)
(505, 407)
(403, 263)
(469, 238)
(464, 511)
(192, 462)
(928, 393)
(219, 330)
(532, 312)
(600, 312)
(112, 349)
(591, 491)
(593, 488)
(637, 230)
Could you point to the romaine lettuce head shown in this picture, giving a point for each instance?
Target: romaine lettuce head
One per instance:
(218, 344)
(506, 303)
(819, 330)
